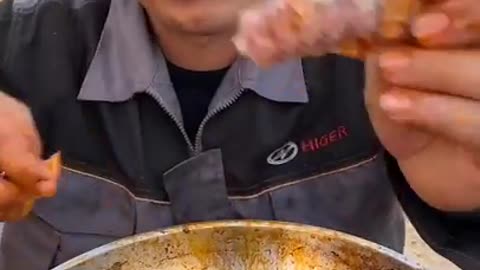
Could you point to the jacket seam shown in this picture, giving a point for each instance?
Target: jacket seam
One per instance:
(306, 179)
(115, 184)
(237, 198)
(362, 157)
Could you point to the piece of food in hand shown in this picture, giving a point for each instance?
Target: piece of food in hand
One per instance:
(286, 28)
(54, 164)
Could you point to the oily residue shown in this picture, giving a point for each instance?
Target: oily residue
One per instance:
(248, 246)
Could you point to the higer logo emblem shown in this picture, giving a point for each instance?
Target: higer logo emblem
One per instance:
(283, 154)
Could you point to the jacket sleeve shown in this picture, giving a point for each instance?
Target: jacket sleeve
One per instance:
(17, 61)
(43, 53)
(5, 38)
(456, 236)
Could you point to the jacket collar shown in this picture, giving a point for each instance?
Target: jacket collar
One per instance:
(128, 61)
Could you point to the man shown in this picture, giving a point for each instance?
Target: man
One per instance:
(160, 123)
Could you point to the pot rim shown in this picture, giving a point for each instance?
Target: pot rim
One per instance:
(260, 224)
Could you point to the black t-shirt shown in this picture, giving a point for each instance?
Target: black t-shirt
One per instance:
(195, 90)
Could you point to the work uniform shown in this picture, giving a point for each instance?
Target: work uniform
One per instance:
(291, 143)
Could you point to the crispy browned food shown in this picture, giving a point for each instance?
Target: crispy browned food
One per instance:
(393, 27)
(55, 164)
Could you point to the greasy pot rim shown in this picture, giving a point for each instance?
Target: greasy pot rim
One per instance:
(102, 250)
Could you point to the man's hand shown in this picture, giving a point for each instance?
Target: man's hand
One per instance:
(24, 176)
(425, 105)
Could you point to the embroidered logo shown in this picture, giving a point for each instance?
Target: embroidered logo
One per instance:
(283, 154)
(319, 142)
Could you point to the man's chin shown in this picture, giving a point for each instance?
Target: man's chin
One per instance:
(208, 27)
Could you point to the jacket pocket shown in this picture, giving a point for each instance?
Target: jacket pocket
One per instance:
(28, 245)
(357, 199)
(88, 211)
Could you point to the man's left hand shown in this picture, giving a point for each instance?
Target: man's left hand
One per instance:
(425, 105)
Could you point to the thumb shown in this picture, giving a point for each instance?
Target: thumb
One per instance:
(48, 186)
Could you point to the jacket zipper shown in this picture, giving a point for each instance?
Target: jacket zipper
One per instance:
(227, 103)
(177, 121)
(197, 148)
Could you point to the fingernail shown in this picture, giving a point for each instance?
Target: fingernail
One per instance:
(430, 24)
(396, 105)
(393, 61)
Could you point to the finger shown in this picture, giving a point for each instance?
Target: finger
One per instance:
(455, 118)
(33, 139)
(16, 212)
(8, 193)
(281, 37)
(282, 31)
(448, 24)
(450, 72)
(14, 204)
(465, 13)
(437, 30)
(255, 39)
(49, 188)
(401, 140)
(24, 169)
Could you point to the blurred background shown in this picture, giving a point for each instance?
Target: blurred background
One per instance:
(419, 251)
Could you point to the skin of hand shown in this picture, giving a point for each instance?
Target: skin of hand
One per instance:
(423, 101)
(424, 104)
(27, 176)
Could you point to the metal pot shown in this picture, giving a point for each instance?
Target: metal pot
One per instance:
(241, 245)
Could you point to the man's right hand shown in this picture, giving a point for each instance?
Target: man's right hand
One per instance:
(24, 176)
